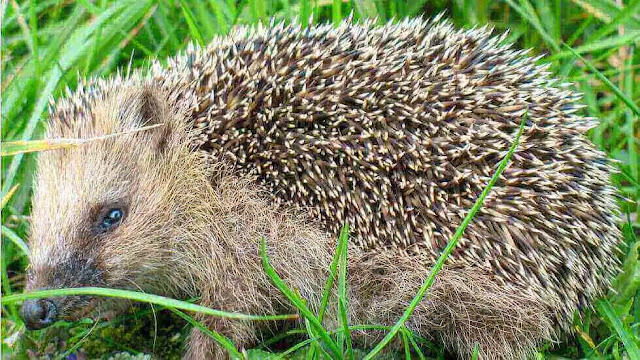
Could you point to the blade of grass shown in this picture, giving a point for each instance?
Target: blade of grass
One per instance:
(632, 139)
(295, 332)
(336, 11)
(287, 10)
(315, 346)
(258, 11)
(24, 83)
(416, 348)
(476, 352)
(632, 8)
(191, 23)
(606, 10)
(407, 349)
(6, 255)
(449, 248)
(27, 34)
(7, 197)
(16, 240)
(21, 146)
(627, 282)
(329, 284)
(366, 8)
(296, 301)
(204, 18)
(583, 26)
(31, 126)
(142, 297)
(415, 7)
(277, 338)
(305, 13)
(94, 51)
(535, 22)
(342, 290)
(219, 338)
(533, 16)
(610, 72)
(606, 81)
(161, 18)
(626, 335)
(590, 345)
(77, 345)
(219, 9)
(609, 43)
(304, 343)
(33, 24)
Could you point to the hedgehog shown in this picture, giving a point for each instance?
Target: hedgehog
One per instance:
(286, 133)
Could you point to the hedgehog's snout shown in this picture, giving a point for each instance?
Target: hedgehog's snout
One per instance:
(69, 272)
(39, 313)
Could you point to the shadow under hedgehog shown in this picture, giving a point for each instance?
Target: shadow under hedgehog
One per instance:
(288, 133)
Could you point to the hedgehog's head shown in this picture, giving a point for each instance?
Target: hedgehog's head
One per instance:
(109, 213)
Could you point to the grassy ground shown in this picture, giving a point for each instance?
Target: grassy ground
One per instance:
(47, 43)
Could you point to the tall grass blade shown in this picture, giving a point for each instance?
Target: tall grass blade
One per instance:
(191, 23)
(531, 17)
(604, 44)
(626, 335)
(300, 345)
(333, 271)
(405, 342)
(342, 290)
(416, 348)
(21, 146)
(476, 353)
(142, 297)
(607, 11)
(366, 8)
(630, 10)
(336, 11)
(8, 196)
(16, 240)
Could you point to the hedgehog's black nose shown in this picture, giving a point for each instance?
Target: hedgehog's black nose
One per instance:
(39, 313)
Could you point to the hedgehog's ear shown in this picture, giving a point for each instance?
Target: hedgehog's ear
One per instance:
(152, 109)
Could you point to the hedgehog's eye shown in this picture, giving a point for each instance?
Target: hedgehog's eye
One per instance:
(110, 220)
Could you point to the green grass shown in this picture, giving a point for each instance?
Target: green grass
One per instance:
(46, 44)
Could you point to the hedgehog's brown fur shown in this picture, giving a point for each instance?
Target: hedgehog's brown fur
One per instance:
(394, 129)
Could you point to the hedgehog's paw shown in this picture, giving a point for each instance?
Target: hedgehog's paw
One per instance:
(466, 307)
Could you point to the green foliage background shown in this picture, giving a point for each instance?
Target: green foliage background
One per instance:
(46, 44)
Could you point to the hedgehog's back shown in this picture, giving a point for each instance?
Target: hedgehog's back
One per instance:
(397, 129)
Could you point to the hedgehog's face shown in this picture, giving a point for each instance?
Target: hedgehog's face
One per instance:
(107, 213)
